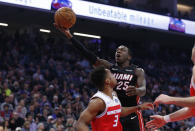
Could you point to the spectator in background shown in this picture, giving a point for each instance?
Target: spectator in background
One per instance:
(16, 121)
(38, 76)
(7, 102)
(40, 127)
(52, 129)
(21, 109)
(60, 128)
(12, 100)
(6, 114)
(26, 126)
(49, 123)
(70, 124)
(33, 125)
(58, 122)
(6, 89)
(55, 101)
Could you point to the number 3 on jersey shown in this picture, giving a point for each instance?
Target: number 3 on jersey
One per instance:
(115, 121)
(122, 85)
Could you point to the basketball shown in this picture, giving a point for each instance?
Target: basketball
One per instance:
(65, 17)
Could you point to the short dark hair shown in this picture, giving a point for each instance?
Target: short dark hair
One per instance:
(128, 48)
(98, 76)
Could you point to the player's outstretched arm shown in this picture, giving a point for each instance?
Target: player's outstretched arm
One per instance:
(159, 121)
(141, 83)
(178, 101)
(95, 106)
(128, 110)
(93, 59)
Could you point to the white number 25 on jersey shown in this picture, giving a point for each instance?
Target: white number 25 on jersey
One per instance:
(122, 85)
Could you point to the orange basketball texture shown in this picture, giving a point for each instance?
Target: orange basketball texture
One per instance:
(65, 17)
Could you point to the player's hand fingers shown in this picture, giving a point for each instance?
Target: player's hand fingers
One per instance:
(150, 106)
(150, 126)
(131, 93)
(147, 105)
(150, 123)
(153, 116)
(130, 88)
(153, 129)
(156, 103)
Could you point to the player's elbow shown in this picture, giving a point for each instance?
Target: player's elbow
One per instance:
(142, 92)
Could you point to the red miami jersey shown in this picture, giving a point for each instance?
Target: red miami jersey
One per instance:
(192, 90)
(109, 120)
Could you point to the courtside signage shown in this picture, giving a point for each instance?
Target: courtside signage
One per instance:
(42, 4)
(190, 27)
(111, 13)
(116, 14)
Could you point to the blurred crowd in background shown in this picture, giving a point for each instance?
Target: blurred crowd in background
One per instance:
(44, 83)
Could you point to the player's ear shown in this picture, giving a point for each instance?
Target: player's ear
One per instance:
(129, 57)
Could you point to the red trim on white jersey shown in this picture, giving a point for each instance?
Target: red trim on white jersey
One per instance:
(109, 120)
(192, 87)
(192, 91)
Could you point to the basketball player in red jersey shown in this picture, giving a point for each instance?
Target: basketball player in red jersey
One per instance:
(188, 103)
(131, 83)
(104, 109)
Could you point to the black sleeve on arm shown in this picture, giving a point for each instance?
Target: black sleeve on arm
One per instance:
(85, 52)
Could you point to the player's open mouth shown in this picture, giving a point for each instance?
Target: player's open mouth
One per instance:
(117, 55)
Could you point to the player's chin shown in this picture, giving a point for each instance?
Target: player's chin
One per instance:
(118, 61)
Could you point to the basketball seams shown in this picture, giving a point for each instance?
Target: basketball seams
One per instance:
(70, 14)
(65, 17)
(68, 24)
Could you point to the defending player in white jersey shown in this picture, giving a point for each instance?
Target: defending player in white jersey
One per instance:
(104, 109)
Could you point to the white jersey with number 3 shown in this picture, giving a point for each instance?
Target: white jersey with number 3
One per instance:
(109, 120)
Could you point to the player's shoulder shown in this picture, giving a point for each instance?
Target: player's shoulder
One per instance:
(138, 70)
(96, 105)
(136, 67)
(96, 102)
